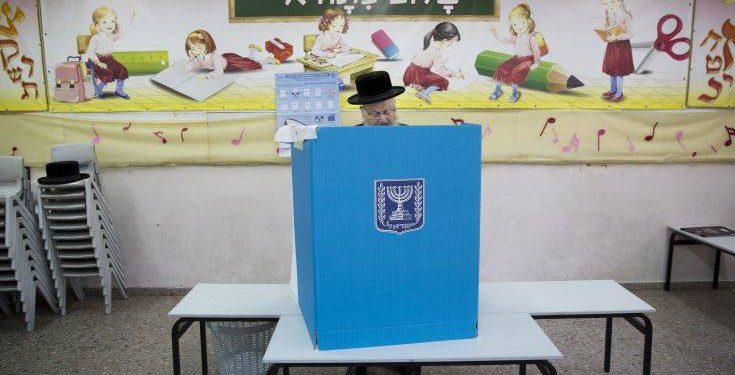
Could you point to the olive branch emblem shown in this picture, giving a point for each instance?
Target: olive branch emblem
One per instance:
(381, 203)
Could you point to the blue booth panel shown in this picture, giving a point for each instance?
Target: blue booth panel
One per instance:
(387, 224)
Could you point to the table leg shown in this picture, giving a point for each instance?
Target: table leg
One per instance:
(646, 328)
(669, 260)
(550, 368)
(203, 344)
(716, 278)
(417, 370)
(546, 368)
(648, 346)
(608, 343)
(285, 370)
(522, 369)
(177, 331)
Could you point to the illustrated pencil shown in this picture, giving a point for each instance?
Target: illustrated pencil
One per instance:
(547, 77)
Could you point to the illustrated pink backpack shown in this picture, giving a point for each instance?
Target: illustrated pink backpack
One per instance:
(73, 84)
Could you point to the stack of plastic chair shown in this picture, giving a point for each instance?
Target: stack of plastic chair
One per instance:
(85, 155)
(78, 231)
(23, 261)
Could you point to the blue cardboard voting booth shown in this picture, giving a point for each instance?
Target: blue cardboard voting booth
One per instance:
(387, 224)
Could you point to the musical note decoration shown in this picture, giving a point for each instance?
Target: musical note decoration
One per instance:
(159, 134)
(182, 133)
(680, 138)
(573, 145)
(600, 134)
(550, 120)
(238, 141)
(487, 132)
(97, 139)
(730, 133)
(650, 137)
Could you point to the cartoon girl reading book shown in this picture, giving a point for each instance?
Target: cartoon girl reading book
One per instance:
(618, 61)
(201, 50)
(526, 53)
(427, 72)
(333, 26)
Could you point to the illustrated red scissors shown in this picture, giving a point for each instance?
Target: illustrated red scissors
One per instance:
(665, 42)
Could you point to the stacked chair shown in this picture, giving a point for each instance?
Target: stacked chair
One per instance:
(76, 224)
(23, 261)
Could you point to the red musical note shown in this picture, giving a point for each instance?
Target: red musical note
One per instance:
(600, 133)
(631, 146)
(14, 149)
(730, 134)
(556, 136)
(159, 134)
(487, 131)
(182, 133)
(679, 137)
(238, 141)
(550, 120)
(649, 138)
(96, 139)
(694, 154)
(130, 124)
(573, 145)
(457, 121)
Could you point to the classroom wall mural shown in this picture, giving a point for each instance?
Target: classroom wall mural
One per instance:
(711, 79)
(22, 85)
(162, 56)
(195, 82)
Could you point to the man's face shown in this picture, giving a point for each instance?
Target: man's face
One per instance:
(380, 113)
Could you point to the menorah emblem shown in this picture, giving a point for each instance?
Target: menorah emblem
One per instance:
(399, 195)
(399, 205)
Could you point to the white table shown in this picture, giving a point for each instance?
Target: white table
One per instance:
(573, 300)
(540, 300)
(719, 244)
(268, 301)
(228, 302)
(502, 339)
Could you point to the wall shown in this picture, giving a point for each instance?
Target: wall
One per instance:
(184, 225)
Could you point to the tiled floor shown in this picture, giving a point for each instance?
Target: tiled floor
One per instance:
(255, 91)
(694, 333)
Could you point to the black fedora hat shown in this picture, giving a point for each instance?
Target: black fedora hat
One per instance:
(62, 172)
(374, 87)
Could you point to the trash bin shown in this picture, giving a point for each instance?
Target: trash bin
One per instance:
(239, 346)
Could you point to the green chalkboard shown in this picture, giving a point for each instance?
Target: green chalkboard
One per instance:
(307, 10)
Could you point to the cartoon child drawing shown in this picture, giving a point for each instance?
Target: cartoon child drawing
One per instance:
(526, 53)
(427, 72)
(330, 42)
(618, 61)
(200, 48)
(105, 31)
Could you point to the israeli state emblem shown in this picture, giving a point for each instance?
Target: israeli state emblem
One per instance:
(399, 205)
